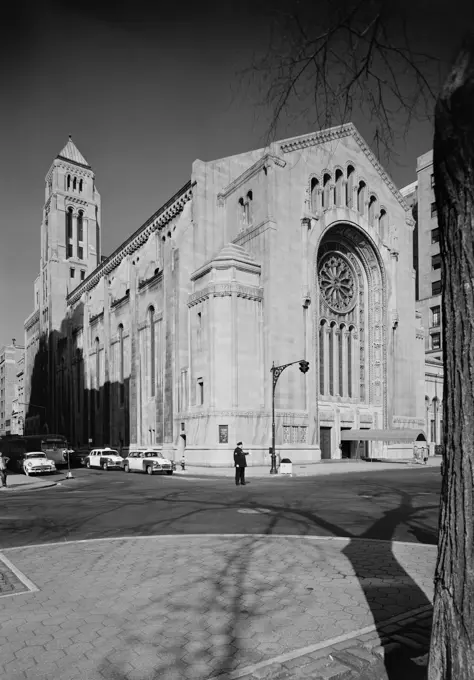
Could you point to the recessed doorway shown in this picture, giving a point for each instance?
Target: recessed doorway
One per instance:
(325, 442)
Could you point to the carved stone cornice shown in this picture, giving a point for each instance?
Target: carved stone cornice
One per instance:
(75, 199)
(408, 422)
(31, 320)
(119, 301)
(235, 413)
(158, 220)
(338, 132)
(96, 317)
(264, 162)
(224, 290)
(155, 278)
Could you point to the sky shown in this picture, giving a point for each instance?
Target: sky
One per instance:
(143, 94)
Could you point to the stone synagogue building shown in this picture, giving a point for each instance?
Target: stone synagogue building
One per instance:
(302, 250)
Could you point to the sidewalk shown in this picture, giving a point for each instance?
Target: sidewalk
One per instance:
(220, 607)
(19, 482)
(309, 469)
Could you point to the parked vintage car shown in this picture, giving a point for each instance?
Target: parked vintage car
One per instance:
(36, 462)
(104, 458)
(149, 461)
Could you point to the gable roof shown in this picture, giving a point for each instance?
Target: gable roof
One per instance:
(338, 132)
(72, 153)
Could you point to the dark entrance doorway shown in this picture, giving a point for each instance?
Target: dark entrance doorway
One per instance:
(325, 442)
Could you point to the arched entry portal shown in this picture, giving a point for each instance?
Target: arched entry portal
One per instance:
(350, 331)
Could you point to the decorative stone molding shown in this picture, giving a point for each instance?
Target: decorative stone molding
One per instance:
(159, 219)
(95, 318)
(266, 160)
(119, 301)
(408, 422)
(224, 290)
(339, 132)
(235, 413)
(147, 283)
(326, 415)
(31, 320)
(420, 333)
(253, 231)
(366, 418)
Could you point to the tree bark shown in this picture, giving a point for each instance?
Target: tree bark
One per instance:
(452, 641)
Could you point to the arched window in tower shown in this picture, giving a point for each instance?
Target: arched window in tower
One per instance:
(314, 195)
(80, 186)
(97, 238)
(372, 209)
(322, 332)
(74, 184)
(383, 224)
(361, 197)
(69, 232)
(97, 372)
(151, 321)
(121, 367)
(331, 358)
(338, 188)
(80, 234)
(68, 182)
(350, 186)
(326, 181)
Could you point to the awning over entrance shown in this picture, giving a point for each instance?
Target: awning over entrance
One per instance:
(383, 435)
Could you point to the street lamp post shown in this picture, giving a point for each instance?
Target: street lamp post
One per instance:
(277, 371)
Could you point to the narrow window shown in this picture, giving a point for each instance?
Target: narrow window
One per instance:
(80, 252)
(200, 394)
(248, 206)
(338, 188)
(435, 235)
(434, 209)
(314, 198)
(341, 361)
(331, 360)
(72, 272)
(69, 232)
(80, 226)
(435, 340)
(349, 362)
(322, 330)
(432, 181)
(372, 207)
(97, 241)
(361, 198)
(151, 313)
(74, 184)
(83, 274)
(326, 180)
(121, 367)
(97, 372)
(436, 288)
(436, 261)
(383, 231)
(350, 186)
(68, 186)
(80, 186)
(436, 315)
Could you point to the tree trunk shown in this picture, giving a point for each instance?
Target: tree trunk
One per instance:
(452, 641)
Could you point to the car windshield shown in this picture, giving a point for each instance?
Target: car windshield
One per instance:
(35, 455)
(153, 454)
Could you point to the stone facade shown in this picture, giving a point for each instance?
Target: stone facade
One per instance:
(11, 373)
(299, 251)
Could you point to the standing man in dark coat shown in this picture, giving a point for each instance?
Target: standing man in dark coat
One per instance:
(240, 463)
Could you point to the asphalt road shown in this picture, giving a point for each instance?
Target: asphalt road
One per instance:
(391, 505)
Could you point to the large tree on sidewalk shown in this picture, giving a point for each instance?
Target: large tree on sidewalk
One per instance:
(326, 60)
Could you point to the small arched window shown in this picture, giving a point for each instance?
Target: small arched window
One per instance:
(326, 181)
(383, 224)
(69, 232)
(322, 331)
(361, 197)
(248, 206)
(372, 209)
(74, 184)
(80, 226)
(350, 351)
(80, 186)
(350, 186)
(121, 366)
(151, 320)
(342, 329)
(314, 195)
(338, 188)
(68, 182)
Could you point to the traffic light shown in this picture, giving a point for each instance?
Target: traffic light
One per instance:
(304, 366)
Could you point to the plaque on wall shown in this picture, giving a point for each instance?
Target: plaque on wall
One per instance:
(223, 434)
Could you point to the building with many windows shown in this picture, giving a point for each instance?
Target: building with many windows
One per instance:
(302, 250)
(11, 357)
(427, 264)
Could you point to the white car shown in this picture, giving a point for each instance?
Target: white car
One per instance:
(148, 461)
(36, 462)
(104, 458)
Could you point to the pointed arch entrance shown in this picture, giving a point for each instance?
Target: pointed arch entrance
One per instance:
(350, 332)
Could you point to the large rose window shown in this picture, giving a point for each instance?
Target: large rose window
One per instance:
(337, 283)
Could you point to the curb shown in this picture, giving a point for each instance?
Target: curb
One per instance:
(32, 487)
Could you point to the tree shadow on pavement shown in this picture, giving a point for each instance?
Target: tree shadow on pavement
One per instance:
(216, 644)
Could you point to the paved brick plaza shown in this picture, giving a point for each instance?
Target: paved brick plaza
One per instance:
(177, 607)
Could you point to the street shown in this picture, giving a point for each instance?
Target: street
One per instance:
(394, 505)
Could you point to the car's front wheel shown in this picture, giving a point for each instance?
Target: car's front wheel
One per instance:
(88, 465)
(169, 472)
(149, 470)
(26, 472)
(104, 466)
